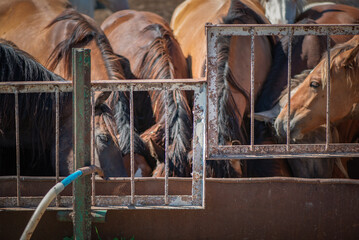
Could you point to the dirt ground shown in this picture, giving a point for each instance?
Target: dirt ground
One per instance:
(163, 8)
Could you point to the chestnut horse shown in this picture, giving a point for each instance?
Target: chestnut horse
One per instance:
(307, 115)
(306, 54)
(48, 30)
(154, 53)
(233, 64)
(37, 123)
(307, 110)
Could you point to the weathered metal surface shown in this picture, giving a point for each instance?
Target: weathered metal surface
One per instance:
(132, 160)
(298, 29)
(288, 150)
(17, 132)
(281, 151)
(57, 142)
(82, 141)
(269, 208)
(199, 146)
(97, 216)
(166, 146)
(103, 85)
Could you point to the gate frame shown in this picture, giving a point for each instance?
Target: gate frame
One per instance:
(251, 151)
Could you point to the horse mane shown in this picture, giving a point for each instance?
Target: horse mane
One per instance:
(82, 34)
(157, 64)
(227, 118)
(35, 109)
(334, 53)
(238, 13)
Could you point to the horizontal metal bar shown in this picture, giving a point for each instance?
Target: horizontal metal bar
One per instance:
(281, 151)
(108, 201)
(103, 85)
(298, 29)
(147, 84)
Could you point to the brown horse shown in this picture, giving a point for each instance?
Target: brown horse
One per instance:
(48, 30)
(343, 72)
(154, 53)
(233, 63)
(306, 54)
(37, 123)
(307, 110)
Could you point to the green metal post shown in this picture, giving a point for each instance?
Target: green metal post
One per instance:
(81, 75)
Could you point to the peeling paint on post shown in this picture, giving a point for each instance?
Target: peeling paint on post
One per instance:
(199, 145)
(81, 75)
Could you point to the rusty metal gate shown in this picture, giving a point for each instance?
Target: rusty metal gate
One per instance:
(288, 150)
(205, 139)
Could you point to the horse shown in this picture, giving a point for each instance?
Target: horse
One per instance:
(306, 54)
(37, 123)
(51, 29)
(307, 108)
(154, 53)
(233, 63)
(308, 103)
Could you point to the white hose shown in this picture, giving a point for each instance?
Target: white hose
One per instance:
(30, 228)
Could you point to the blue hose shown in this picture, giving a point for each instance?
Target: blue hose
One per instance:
(50, 195)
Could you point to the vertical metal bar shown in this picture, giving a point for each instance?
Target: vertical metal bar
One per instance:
(212, 140)
(17, 137)
(289, 82)
(132, 148)
(252, 88)
(199, 149)
(57, 141)
(93, 202)
(327, 132)
(81, 76)
(166, 146)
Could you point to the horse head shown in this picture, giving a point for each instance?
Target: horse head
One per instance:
(307, 110)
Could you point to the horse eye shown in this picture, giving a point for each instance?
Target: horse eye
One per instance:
(103, 137)
(314, 84)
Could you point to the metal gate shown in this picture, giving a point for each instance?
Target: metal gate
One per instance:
(204, 148)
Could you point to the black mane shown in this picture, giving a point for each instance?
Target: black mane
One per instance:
(35, 111)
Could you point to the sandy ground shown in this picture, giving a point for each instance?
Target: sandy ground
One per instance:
(163, 8)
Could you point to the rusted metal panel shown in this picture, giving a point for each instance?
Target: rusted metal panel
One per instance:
(251, 151)
(266, 29)
(103, 85)
(81, 76)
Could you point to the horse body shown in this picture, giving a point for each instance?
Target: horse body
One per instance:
(154, 53)
(233, 61)
(37, 123)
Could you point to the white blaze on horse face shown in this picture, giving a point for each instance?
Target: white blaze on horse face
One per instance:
(281, 11)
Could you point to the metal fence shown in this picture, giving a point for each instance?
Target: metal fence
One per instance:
(288, 150)
(204, 148)
(81, 73)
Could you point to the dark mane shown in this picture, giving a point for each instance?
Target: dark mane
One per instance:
(227, 118)
(35, 109)
(82, 33)
(157, 64)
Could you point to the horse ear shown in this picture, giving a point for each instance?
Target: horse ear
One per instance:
(126, 66)
(268, 116)
(156, 151)
(350, 55)
(101, 97)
